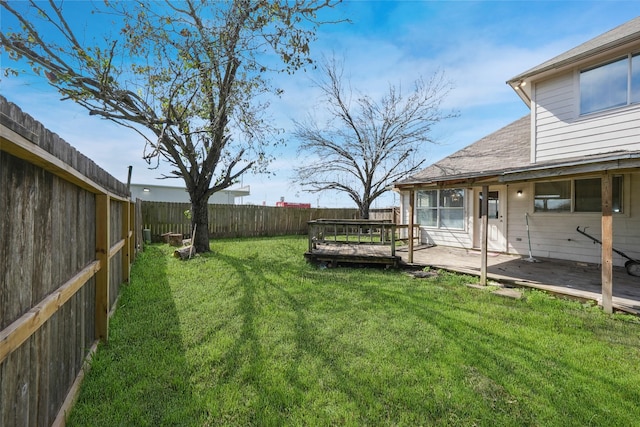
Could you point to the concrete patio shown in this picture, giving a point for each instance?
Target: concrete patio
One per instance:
(577, 280)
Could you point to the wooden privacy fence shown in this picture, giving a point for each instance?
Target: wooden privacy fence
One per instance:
(66, 245)
(240, 220)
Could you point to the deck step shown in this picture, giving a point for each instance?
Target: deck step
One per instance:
(335, 259)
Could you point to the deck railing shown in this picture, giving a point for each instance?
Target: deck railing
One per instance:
(354, 232)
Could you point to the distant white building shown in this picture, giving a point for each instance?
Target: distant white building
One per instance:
(165, 193)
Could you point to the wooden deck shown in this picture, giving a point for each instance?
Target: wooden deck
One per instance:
(352, 241)
(353, 254)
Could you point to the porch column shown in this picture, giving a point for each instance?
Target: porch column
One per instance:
(484, 208)
(607, 243)
(411, 211)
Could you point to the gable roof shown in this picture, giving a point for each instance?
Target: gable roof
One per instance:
(505, 156)
(619, 36)
(503, 150)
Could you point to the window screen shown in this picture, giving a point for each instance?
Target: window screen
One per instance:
(441, 208)
(552, 196)
(588, 195)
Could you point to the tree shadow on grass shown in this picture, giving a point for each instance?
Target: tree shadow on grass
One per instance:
(301, 372)
(538, 368)
(276, 385)
(141, 375)
(505, 378)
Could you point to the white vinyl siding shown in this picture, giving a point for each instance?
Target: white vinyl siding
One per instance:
(555, 235)
(552, 235)
(452, 238)
(560, 132)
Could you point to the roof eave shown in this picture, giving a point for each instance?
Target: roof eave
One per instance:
(618, 162)
(558, 66)
(522, 91)
(466, 179)
(521, 83)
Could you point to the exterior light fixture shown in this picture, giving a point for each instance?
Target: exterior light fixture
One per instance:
(519, 193)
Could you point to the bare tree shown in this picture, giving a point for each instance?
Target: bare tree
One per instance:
(365, 145)
(188, 73)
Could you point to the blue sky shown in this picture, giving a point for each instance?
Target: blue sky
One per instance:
(479, 46)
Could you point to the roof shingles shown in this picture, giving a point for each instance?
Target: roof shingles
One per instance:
(503, 150)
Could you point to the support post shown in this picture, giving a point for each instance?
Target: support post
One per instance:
(102, 276)
(393, 239)
(484, 234)
(411, 213)
(607, 243)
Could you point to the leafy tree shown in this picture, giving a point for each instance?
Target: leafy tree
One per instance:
(186, 75)
(365, 145)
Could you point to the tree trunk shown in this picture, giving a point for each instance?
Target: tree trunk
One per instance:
(364, 210)
(200, 220)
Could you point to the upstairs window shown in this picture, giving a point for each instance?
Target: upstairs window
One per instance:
(614, 84)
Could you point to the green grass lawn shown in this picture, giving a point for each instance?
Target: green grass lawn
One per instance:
(253, 335)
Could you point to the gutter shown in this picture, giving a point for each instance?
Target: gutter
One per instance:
(518, 82)
(576, 58)
(599, 164)
(620, 161)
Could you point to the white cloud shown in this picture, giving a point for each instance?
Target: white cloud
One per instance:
(477, 48)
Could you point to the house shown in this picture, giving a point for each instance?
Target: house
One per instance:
(574, 161)
(163, 193)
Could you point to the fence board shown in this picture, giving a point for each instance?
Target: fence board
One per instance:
(48, 264)
(240, 220)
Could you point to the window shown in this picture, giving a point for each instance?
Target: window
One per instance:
(441, 208)
(586, 194)
(635, 79)
(493, 205)
(614, 84)
(552, 196)
(427, 208)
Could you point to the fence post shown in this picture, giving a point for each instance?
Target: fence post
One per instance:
(102, 276)
(133, 224)
(124, 231)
